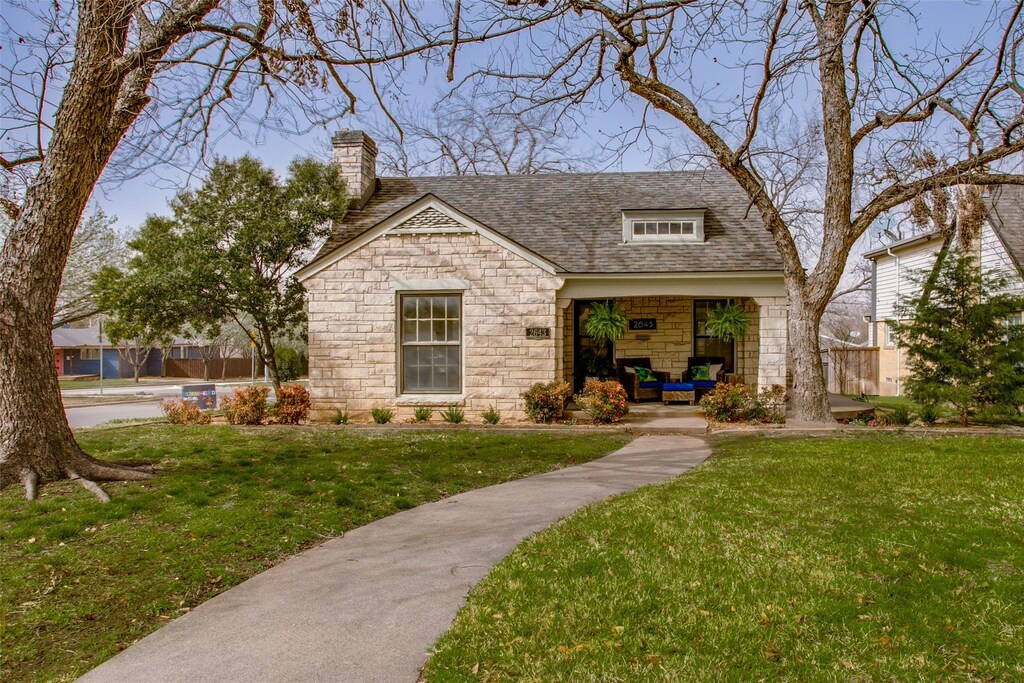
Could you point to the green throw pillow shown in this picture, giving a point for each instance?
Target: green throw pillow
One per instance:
(702, 371)
(645, 375)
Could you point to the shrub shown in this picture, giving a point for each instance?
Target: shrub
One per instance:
(736, 403)
(382, 416)
(453, 415)
(899, 416)
(491, 416)
(546, 402)
(292, 404)
(246, 406)
(289, 363)
(422, 414)
(340, 417)
(604, 401)
(182, 412)
(727, 403)
(930, 413)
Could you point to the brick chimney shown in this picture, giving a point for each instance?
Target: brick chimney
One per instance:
(355, 152)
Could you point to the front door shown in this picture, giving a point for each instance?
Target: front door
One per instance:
(591, 358)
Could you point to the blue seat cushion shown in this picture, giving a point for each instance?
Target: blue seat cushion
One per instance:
(704, 383)
(651, 385)
(677, 386)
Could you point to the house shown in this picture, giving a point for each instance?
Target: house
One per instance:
(897, 267)
(468, 290)
(77, 351)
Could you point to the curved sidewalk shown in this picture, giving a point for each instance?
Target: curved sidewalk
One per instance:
(369, 605)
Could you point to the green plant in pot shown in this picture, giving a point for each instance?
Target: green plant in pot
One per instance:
(728, 322)
(606, 323)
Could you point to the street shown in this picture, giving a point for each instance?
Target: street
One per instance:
(90, 416)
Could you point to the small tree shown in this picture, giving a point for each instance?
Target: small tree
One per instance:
(231, 247)
(962, 349)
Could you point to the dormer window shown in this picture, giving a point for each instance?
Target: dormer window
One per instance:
(663, 226)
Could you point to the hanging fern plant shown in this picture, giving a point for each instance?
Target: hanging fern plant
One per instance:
(607, 322)
(728, 322)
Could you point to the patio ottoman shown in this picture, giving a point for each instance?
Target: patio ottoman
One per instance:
(677, 391)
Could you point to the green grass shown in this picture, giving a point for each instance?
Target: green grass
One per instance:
(112, 383)
(81, 580)
(849, 559)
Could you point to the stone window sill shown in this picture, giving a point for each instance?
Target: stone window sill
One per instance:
(431, 400)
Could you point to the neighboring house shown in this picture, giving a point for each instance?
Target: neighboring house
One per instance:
(1000, 247)
(77, 351)
(468, 290)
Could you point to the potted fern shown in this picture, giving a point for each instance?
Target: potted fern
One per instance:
(728, 322)
(606, 323)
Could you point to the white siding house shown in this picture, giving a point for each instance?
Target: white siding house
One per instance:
(899, 267)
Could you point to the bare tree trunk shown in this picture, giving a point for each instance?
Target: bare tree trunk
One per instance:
(809, 396)
(36, 443)
(268, 358)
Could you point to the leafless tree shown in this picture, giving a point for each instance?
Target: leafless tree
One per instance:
(96, 244)
(111, 87)
(459, 137)
(879, 104)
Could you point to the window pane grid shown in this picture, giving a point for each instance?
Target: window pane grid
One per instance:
(662, 228)
(431, 328)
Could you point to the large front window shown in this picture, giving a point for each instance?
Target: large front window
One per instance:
(431, 343)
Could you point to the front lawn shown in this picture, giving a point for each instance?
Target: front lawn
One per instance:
(82, 580)
(864, 559)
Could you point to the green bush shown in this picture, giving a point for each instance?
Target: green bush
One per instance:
(246, 406)
(340, 417)
(546, 402)
(382, 416)
(422, 414)
(292, 405)
(289, 363)
(900, 416)
(491, 416)
(604, 401)
(930, 413)
(454, 415)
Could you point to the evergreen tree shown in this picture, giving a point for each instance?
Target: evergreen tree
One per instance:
(963, 348)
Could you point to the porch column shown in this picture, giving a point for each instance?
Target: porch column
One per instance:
(773, 326)
(561, 341)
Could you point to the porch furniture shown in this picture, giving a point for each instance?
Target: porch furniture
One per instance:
(703, 386)
(678, 391)
(630, 381)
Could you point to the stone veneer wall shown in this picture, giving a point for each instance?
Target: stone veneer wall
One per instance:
(353, 349)
(774, 334)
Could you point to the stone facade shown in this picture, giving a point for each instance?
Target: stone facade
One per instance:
(353, 328)
(773, 334)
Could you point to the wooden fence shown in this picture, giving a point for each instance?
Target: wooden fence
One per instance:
(853, 371)
(220, 368)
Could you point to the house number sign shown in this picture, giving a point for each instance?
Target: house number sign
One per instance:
(643, 324)
(538, 333)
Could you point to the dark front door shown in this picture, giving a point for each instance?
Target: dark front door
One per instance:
(591, 358)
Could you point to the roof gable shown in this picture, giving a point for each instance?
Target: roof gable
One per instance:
(427, 215)
(1005, 204)
(575, 220)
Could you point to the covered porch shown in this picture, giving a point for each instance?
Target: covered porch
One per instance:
(667, 315)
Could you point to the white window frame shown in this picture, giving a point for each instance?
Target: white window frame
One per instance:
(694, 217)
(890, 334)
(461, 343)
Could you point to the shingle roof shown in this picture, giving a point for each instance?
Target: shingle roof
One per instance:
(575, 220)
(74, 337)
(1006, 212)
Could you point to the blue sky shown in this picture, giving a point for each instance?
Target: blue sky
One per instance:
(131, 200)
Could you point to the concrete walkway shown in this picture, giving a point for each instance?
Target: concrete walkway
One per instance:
(368, 606)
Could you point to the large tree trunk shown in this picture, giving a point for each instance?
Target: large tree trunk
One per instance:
(36, 443)
(809, 396)
(271, 362)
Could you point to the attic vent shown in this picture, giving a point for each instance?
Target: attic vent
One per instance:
(663, 227)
